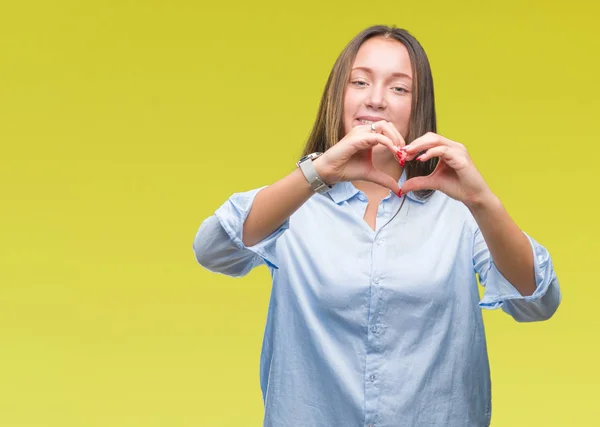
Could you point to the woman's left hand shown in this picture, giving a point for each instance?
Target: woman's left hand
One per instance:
(455, 174)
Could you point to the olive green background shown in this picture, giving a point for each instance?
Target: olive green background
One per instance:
(124, 124)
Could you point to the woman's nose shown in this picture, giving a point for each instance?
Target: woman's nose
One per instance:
(376, 98)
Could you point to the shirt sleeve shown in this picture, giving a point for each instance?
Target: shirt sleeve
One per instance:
(218, 244)
(499, 292)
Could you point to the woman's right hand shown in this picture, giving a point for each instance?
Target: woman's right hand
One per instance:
(351, 158)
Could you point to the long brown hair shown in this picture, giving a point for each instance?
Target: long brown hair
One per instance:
(328, 127)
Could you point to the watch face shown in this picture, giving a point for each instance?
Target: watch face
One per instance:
(311, 156)
(301, 160)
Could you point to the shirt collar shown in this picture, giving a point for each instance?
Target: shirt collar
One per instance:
(344, 190)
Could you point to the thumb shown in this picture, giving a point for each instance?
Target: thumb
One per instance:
(383, 179)
(418, 183)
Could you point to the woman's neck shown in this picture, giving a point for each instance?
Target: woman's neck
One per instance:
(386, 163)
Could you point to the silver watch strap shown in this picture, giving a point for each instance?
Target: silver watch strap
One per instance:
(310, 173)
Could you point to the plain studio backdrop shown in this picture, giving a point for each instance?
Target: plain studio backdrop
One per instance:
(124, 124)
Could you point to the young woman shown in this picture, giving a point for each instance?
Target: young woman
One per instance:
(374, 242)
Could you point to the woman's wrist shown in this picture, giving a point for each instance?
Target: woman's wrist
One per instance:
(483, 202)
(323, 171)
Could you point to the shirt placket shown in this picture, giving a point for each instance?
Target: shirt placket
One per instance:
(375, 329)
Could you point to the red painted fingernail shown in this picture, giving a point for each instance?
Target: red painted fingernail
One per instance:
(401, 157)
(399, 193)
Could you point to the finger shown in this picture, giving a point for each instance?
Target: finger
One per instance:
(383, 179)
(454, 157)
(400, 137)
(419, 183)
(426, 142)
(390, 130)
(384, 127)
(368, 140)
(362, 129)
(443, 151)
(401, 157)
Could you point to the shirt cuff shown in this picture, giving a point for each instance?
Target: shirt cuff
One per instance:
(499, 290)
(232, 215)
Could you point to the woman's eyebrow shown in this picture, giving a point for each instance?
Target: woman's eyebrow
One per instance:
(396, 74)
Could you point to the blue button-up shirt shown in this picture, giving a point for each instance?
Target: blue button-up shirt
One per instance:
(374, 327)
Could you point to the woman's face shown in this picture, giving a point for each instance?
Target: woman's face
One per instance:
(380, 86)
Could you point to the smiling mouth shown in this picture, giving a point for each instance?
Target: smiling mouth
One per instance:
(367, 122)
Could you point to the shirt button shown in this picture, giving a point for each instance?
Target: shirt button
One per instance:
(374, 329)
(380, 242)
(372, 377)
(376, 280)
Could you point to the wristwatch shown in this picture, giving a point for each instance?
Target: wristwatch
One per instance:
(308, 169)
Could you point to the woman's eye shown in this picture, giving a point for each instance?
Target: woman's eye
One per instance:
(358, 83)
(400, 90)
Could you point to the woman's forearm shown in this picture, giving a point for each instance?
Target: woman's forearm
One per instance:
(509, 247)
(274, 204)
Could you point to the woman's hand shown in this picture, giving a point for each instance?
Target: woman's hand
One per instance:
(455, 174)
(351, 158)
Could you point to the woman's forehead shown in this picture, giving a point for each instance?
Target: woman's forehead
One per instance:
(379, 55)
